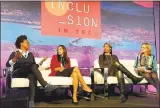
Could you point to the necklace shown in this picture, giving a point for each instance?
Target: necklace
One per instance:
(109, 63)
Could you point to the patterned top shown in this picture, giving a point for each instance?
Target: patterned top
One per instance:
(149, 62)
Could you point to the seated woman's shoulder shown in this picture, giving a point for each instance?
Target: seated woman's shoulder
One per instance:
(68, 57)
(54, 56)
(114, 55)
(152, 55)
(101, 55)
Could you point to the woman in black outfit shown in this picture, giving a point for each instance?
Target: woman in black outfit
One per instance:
(115, 68)
(22, 65)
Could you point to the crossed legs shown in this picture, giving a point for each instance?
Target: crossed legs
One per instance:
(77, 77)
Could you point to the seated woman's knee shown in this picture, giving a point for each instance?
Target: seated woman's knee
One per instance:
(115, 63)
(76, 69)
(74, 74)
(154, 75)
(119, 73)
(146, 75)
(31, 77)
(34, 66)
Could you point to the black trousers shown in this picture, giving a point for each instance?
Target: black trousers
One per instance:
(33, 74)
(152, 78)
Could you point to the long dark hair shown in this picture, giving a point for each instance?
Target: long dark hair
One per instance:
(65, 56)
(109, 47)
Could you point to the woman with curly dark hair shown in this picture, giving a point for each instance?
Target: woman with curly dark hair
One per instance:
(22, 64)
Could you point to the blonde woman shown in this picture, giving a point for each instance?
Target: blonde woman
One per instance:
(146, 66)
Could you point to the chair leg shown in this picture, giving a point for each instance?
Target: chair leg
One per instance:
(71, 89)
(140, 89)
(106, 91)
(92, 94)
(2, 87)
(146, 88)
(8, 86)
(132, 88)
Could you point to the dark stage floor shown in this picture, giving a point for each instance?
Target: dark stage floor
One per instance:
(58, 99)
(133, 101)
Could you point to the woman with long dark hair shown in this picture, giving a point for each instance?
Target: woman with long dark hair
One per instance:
(60, 66)
(146, 66)
(115, 68)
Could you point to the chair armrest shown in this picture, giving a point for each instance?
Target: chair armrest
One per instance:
(104, 72)
(6, 72)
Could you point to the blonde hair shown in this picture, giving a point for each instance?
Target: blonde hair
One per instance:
(149, 52)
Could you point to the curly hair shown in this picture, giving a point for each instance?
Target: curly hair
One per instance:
(19, 40)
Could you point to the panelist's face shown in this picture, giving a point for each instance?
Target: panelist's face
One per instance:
(107, 49)
(144, 49)
(25, 44)
(60, 50)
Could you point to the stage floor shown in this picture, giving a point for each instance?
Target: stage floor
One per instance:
(133, 101)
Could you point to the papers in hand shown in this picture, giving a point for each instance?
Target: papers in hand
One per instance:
(141, 69)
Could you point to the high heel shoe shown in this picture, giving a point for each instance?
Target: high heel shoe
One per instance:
(75, 103)
(87, 91)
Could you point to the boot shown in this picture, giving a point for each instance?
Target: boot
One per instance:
(128, 73)
(121, 83)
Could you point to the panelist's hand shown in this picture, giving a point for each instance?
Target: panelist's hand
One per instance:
(137, 70)
(57, 69)
(140, 69)
(47, 68)
(44, 59)
(61, 69)
(17, 56)
(148, 71)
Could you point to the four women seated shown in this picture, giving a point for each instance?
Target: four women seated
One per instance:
(24, 65)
